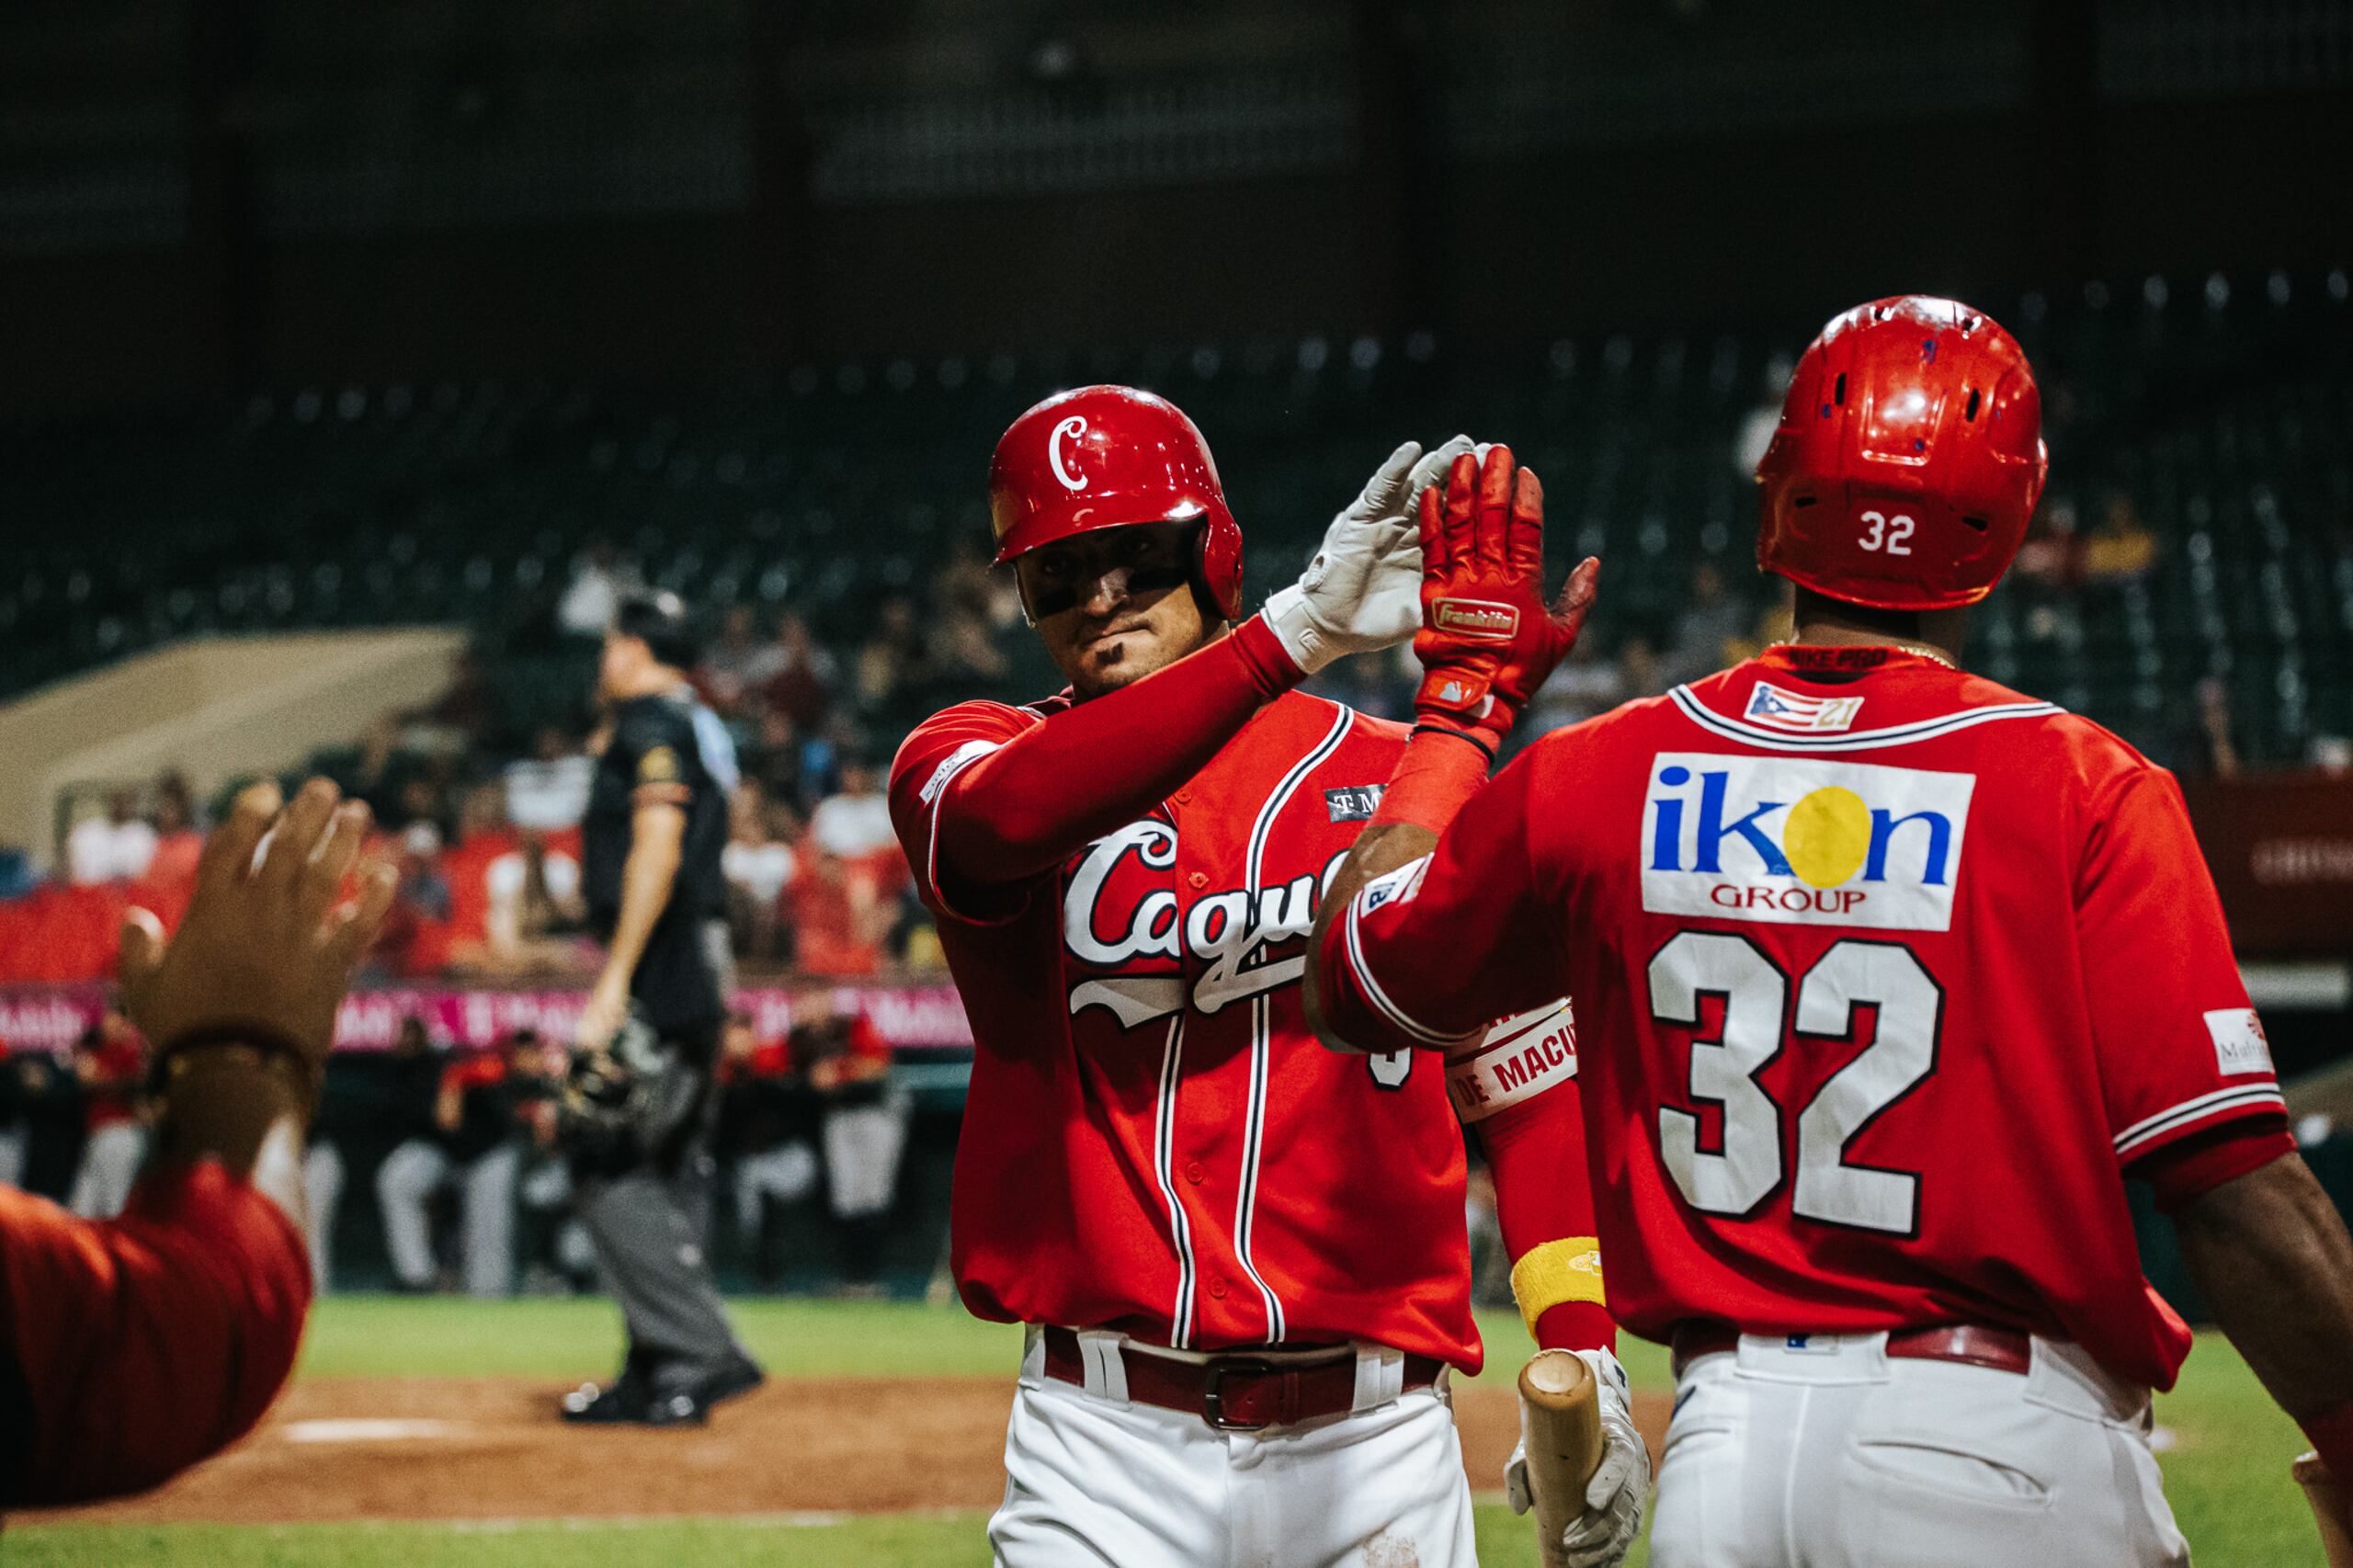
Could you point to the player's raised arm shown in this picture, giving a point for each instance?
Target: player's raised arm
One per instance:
(136, 1347)
(1487, 641)
(1108, 505)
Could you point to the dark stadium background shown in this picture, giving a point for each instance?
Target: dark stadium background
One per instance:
(388, 314)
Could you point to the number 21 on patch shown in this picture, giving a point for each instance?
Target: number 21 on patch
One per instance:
(1887, 534)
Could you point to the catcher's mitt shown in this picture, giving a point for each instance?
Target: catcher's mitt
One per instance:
(627, 1101)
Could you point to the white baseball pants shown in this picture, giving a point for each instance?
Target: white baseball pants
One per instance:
(1095, 1482)
(1822, 1452)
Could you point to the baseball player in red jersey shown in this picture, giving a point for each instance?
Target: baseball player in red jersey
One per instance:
(132, 1347)
(1888, 979)
(1242, 1259)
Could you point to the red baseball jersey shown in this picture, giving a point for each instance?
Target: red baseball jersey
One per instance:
(1885, 977)
(1153, 1141)
(135, 1347)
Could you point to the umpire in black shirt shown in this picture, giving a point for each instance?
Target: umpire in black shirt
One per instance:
(636, 1116)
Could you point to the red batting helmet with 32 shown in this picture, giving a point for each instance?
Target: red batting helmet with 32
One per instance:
(1908, 459)
(1105, 457)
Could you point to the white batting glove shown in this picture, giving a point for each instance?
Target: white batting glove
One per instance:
(1614, 1499)
(1363, 589)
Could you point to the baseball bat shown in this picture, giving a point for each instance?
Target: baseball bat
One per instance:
(1560, 1420)
(2326, 1495)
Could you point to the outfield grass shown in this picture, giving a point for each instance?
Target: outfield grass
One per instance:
(2226, 1473)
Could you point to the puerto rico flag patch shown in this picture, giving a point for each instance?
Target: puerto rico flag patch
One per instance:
(1770, 705)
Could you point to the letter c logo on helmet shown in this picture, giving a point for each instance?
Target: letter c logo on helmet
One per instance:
(1144, 462)
(1073, 427)
(1908, 459)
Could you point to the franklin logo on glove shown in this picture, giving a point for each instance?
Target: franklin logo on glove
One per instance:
(1476, 618)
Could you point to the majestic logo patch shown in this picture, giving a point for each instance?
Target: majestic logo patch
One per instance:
(1781, 710)
(2240, 1045)
(1476, 618)
(1354, 802)
(1803, 841)
(1069, 429)
(659, 765)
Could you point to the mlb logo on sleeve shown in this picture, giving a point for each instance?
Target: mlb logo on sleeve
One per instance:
(1803, 841)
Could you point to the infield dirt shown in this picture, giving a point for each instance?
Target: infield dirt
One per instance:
(340, 1449)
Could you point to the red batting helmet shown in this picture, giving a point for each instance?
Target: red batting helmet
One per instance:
(1908, 459)
(1104, 458)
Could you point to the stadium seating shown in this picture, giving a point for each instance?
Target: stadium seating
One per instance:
(2222, 406)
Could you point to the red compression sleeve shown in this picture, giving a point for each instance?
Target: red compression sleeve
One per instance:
(1037, 799)
(1542, 1195)
(1436, 774)
(150, 1342)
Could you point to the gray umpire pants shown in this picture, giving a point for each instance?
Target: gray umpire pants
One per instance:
(649, 1224)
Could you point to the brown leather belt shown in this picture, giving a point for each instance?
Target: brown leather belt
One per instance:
(1234, 1393)
(1972, 1344)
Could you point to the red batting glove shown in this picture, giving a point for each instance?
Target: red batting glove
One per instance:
(1488, 639)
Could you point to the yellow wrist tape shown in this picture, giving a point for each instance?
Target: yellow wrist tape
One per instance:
(1568, 1269)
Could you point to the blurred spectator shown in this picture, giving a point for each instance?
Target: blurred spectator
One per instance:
(416, 937)
(738, 664)
(855, 822)
(599, 577)
(969, 585)
(801, 685)
(1710, 618)
(890, 668)
(2053, 555)
(2121, 548)
(848, 1067)
(113, 846)
(549, 789)
(322, 1197)
(12, 1117)
(412, 1082)
(475, 1143)
(841, 913)
(534, 905)
(1639, 674)
(467, 709)
(758, 863)
(179, 844)
(1582, 685)
(768, 1121)
(2211, 748)
(1757, 426)
(110, 1062)
(773, 758)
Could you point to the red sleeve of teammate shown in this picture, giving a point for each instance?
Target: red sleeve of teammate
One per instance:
(984, 799)
(1393, 968)
(139, 1345)
(2181, 1053)
(1524, 1102)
